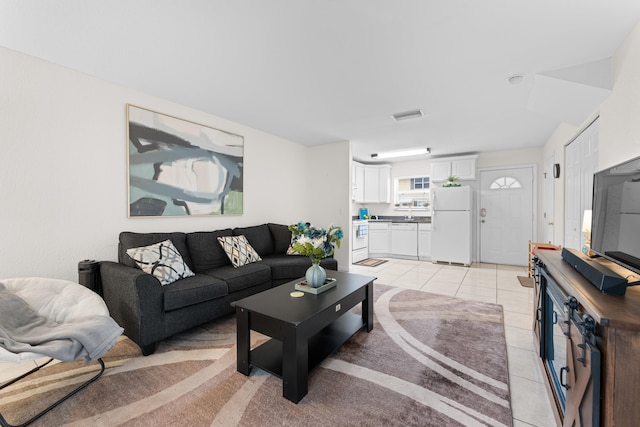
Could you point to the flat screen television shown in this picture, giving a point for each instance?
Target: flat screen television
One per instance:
(615, 225)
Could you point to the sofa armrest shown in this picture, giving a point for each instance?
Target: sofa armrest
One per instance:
(135, 301)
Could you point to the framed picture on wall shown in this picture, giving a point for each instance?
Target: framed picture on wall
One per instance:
(177, 167)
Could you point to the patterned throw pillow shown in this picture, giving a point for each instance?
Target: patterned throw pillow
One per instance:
(238, 249)
(290, 250)
(162, 260)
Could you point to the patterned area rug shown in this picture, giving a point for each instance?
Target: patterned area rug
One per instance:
(371, 262)
(430, 360)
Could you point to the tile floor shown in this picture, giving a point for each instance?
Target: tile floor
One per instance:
(482, 282)
(493, 283)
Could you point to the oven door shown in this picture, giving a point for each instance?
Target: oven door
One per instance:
(360, 235)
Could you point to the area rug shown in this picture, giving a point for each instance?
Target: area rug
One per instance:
(431, 360)
(371, 262)
(527, 282)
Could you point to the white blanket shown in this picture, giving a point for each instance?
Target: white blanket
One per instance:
(77, 334)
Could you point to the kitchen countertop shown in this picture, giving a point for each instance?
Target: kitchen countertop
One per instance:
(417, 219)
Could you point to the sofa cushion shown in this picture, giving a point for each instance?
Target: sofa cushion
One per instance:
(242, 277)
(281, 237)
(239, 251)
(290, 268)
(193, 290)
(162, 260)
(134, 240)
(205, 250)
(259, 237)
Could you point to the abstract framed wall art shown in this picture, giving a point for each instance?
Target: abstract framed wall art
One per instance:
(178, 168)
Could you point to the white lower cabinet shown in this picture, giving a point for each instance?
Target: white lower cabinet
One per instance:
(380, 238)
(400, 240)
(424, 242)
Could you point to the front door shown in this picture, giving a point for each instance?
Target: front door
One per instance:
(506, 215)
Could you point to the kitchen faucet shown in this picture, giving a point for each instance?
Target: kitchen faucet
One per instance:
(409, 216)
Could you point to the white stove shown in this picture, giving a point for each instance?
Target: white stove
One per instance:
(360, 239)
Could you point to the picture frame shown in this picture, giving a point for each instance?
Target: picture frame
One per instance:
(177, 167)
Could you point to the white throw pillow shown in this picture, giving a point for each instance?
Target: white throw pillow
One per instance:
(239, 250)
(162, 260)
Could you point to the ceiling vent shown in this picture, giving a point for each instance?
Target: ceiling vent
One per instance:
(413, 114)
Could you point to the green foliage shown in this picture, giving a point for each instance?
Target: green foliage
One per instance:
(316, 243)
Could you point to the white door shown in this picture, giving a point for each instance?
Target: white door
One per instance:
(549, 202)
(581, 159)
(506, 215)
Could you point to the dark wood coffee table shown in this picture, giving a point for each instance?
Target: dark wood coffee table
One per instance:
(303, 331)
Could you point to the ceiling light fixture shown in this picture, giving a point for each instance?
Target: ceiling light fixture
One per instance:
(404, 153)
(413, 114)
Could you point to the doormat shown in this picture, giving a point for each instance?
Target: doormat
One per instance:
(370, 262)
(527, 282)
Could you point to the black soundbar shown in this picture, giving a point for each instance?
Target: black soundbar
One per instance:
(599, 275)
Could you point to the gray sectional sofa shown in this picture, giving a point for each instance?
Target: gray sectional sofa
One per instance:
(149, 312)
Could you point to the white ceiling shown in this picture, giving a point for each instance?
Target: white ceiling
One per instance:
(324, 71)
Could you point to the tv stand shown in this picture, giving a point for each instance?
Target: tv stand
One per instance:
(615, 333)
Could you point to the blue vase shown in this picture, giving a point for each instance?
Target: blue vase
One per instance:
(315, 276)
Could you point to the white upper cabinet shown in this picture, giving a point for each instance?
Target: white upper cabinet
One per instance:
(357, 182)
(371, 183)
(464, 167)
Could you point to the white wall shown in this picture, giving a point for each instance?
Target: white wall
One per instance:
(63, 177)
(328, 183)
(555, 146)
(620, 114)
(619, 137)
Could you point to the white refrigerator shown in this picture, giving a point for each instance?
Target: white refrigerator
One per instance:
(451, 228)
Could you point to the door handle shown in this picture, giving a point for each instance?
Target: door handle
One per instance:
(550, 223)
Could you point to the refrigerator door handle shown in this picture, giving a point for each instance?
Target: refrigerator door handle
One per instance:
(433, 221)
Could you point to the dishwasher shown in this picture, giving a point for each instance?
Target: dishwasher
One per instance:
(404, 239)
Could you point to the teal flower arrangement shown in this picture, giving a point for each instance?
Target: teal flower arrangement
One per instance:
(316, 243)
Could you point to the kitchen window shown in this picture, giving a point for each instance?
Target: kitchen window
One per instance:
(412, 193)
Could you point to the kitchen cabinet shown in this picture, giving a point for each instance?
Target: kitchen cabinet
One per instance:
(464, 167)
(424, 242)
(379, 238)
(384, 184)
(371, 183)
(404, 239)
(357, 182)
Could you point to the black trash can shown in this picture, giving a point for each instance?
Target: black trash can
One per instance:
(89, 275)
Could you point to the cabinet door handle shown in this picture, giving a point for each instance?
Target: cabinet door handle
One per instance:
(563, 377)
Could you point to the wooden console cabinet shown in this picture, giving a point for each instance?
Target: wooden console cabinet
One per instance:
(616, 321)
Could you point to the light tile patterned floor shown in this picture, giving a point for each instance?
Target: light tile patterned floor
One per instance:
(493, 283)
(483, 282)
